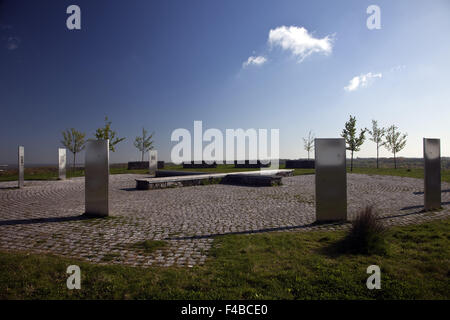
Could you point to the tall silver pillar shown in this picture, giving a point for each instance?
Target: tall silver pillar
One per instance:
(61, 163)
(153, 162)
(432, 181)
(96, 168)
(331, 180)
(21, 165)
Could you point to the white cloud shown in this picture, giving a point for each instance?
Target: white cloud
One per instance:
(299, 41)
(362, 81)
(254, 60)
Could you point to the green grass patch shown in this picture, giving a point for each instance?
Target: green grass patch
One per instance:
(149, 246)
(51, 173)
(303, 265)
(211, 181)
(110, 257)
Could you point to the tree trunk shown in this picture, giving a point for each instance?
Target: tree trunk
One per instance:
(351, 162)
(308, 154)
(395, 162)
(142, 153)
(377, 155)
(73, 166)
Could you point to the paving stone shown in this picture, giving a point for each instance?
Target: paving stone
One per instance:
(45, 216)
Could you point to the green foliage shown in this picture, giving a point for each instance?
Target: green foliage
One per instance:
(74, 141)
(106, 133)
(377, 135)
(144, 143)
(353, 141)
(308, 142)
(395, 141)
(149, 246)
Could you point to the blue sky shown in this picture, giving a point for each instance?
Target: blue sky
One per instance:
(164, 64)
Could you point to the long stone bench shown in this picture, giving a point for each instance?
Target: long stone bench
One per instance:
(266, 177)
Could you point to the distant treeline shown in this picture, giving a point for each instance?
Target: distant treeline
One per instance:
(389, 162)
(401, 162)
(358, 163)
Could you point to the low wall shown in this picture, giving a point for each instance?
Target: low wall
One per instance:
(247, 164)
(203, 165)
(138, 165)
(300, 164)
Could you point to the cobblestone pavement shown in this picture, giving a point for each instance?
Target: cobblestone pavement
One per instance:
(45, 215)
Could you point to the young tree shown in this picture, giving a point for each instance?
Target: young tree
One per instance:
(144, 143)
(107, 133)
(74, 141)
(395, 141)
(377, 135)
(309, 142)
(353, 141)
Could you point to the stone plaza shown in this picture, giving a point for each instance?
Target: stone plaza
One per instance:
(47, 216)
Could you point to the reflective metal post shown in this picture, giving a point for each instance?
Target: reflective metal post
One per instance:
(153, 162)
(62, 164)
(21, 164)
(331, 180)
(96, 168)
(432, 181)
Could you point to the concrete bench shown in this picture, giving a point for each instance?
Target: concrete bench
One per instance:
(267, 177)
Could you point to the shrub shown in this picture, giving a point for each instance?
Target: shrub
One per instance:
(367, 234)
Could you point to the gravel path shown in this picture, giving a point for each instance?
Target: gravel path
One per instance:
(45, 215)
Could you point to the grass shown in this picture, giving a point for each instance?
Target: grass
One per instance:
(304, 265)
(51, 173)
(149, 246)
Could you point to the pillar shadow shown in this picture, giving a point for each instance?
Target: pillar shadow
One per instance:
(45, 220)
(421, 206)
(213, 235)
(130, 189)
(421, 192)
(9, 188)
